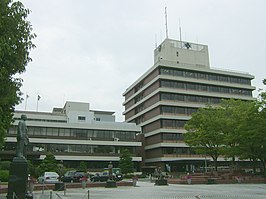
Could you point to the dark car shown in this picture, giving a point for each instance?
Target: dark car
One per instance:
(104, 177)
(99, 178)
(74, 176)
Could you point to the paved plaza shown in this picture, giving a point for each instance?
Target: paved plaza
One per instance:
(147, 190)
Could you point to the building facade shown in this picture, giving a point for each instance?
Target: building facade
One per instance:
(163, 99)
(73, 134)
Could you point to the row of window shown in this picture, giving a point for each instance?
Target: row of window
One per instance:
(165, 123)
(177, 110)
(77, 133)
(190, 98)
(42, 120)
(78, 148)
(173, 136)
(202, 87)
(206, 76)
(180, 151)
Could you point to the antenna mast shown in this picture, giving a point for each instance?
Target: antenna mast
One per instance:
(166, 28)
(180, 38)
(155, 40)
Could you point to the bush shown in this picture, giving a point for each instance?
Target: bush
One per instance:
(4, 165)
(4, 174)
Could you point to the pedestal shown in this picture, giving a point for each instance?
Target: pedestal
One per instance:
(111, 184)
(161, 182)
(18, 178)
(59, 186)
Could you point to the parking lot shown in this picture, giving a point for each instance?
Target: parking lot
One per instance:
(147, 190)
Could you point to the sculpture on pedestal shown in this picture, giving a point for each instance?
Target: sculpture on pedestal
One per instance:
(22, 138)
(18, 172)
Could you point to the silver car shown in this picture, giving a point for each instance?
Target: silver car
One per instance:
(49, 177)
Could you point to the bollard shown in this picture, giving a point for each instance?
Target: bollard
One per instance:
(64, 189)
(88, 194)
(51, 195)
(83, 183)
(43, 187)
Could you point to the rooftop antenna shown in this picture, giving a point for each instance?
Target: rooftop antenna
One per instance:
(166, 28)
(155, 40)
(180, 37)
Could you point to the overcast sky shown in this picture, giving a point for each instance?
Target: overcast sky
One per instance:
(91, 51)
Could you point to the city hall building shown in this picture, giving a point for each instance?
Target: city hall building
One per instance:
(73, 134)
(162, 100)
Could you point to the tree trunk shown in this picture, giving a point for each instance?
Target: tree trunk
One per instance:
(262, 165)
(254, 165)
(215, 163)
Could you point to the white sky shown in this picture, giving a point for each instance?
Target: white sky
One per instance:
(91, 51)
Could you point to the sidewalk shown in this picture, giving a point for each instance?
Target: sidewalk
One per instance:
(147, 190)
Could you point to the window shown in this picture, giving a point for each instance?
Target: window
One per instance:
(223, 78)
(98, 119)
(213, 77)
(203, 88)
(191, 86)
(81, 118)
(202, 76)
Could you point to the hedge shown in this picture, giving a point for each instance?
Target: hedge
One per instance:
(4, 174)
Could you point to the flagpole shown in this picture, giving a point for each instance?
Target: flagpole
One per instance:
(26, 101)
(38, 98)
(37, 103)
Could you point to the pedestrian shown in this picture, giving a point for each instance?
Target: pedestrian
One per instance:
(188, 178)
(135, 179)
(84, 182)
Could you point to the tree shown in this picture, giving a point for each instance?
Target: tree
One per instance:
(235, 113)
(125, 162)
(49, 163)
(15, 43)
(83, 166)
(253, 140)
(205, 133)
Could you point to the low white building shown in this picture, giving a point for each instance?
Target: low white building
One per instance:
(73, 134)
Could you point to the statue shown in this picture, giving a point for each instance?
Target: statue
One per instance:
(18, 171)
(22, 137)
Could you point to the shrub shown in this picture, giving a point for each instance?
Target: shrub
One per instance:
(4, 165)
(4, 174)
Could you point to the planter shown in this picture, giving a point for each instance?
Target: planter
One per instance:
(110, 184)
(211, 181)
(161, 182)
(59, 186)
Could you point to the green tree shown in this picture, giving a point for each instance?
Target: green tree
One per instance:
(83, 166)
(204, 132)
(234, 115)
(49, 163)
(125, 162)
(253, 140)
(33, 171)
(15, 43)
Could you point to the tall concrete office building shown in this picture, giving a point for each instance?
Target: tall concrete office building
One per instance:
(163, 99)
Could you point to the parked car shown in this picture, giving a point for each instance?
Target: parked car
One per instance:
(104, 177)
(49, 177)
(99, 178)
(74, 176)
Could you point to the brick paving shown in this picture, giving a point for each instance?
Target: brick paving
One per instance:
(147, 190)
